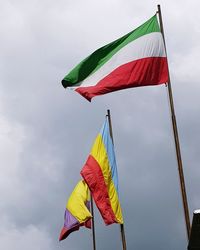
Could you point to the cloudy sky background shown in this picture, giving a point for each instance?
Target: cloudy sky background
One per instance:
(46, 132)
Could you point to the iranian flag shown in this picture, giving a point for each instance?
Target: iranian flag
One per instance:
(134, 60)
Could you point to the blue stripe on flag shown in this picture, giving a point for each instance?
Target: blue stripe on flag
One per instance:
(105, 133)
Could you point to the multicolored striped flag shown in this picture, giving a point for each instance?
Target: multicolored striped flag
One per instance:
(77, 210)
(100, 174)
(134, 60)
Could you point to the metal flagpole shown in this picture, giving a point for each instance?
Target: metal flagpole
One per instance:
(176, 140)
(121, 225)
(93, 228)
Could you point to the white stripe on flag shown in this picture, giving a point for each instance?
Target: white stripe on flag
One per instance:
(150, 45)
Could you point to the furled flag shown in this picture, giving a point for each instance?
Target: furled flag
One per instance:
(100, 174)
(134, 60)
(77, 213)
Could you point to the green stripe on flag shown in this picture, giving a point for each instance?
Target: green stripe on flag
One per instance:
(98, 58)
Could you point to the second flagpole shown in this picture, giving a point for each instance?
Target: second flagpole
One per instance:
(121, 225)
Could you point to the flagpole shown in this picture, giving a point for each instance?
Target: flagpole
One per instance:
(93, 228)
(176, 140)
(121, 225)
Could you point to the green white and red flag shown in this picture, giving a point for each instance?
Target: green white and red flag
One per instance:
(134, 60)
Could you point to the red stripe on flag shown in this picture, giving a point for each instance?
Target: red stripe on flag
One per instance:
(93, 176)
(65, 232)
(142, 72)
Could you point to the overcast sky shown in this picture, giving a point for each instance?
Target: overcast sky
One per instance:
(46, 131)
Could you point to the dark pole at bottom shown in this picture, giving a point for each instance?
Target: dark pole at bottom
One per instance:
(93, 228)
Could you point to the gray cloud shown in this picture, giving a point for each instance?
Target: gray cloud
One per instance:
(46, 132)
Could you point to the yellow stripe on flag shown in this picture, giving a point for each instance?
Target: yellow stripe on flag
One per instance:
(76, 202)
(99, 153)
